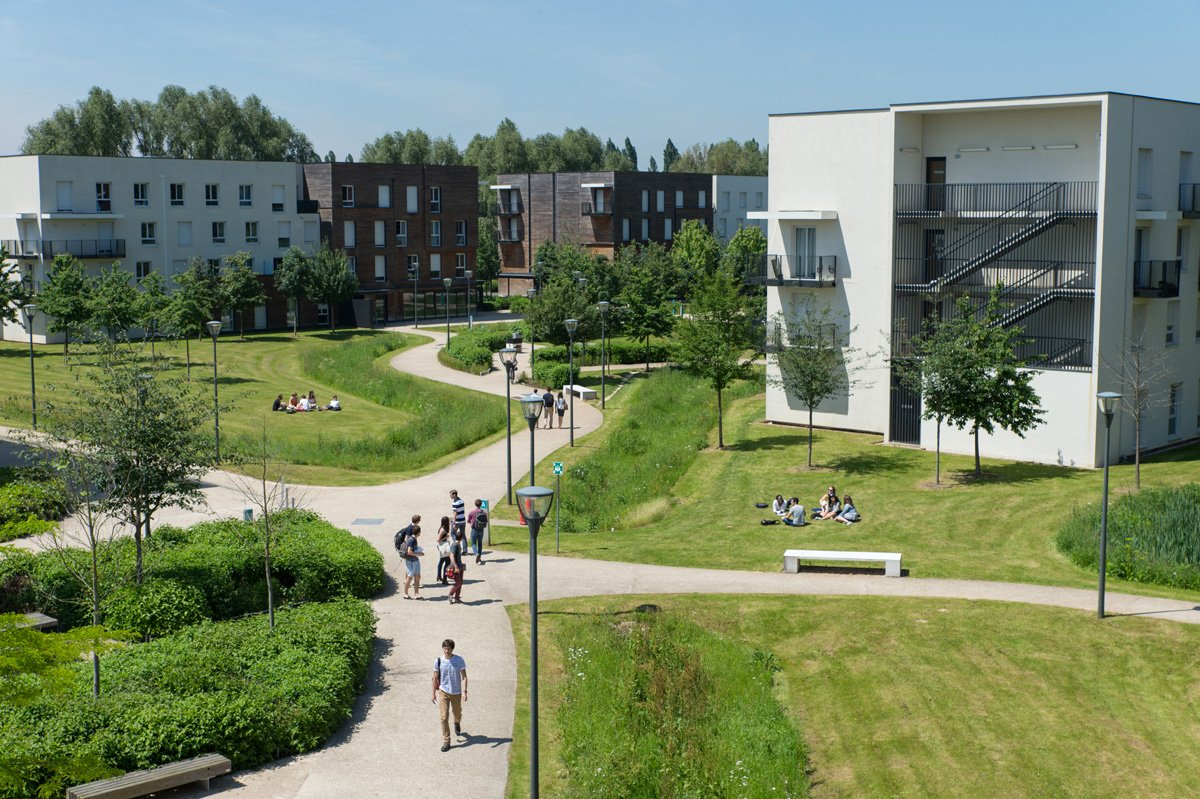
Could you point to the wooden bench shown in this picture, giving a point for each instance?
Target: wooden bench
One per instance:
(143, 783)
(583, 392)
(792, 558)
(40, 621)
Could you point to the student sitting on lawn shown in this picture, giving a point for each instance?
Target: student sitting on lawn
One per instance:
(277, 405)
(779, 507)
(830, 505)
(795, 514)
(335, 404)
(849, 514)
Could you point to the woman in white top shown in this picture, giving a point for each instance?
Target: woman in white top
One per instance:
(560, 406)
(779, 507)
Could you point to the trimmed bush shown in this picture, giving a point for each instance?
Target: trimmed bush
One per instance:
(518, 304)
(620, 351)
(155, 608)
(471, 350)
(30, 503)
(553, 375)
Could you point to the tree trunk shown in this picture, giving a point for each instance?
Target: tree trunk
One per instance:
(187, 348)
(720, 421)
(937, 471)
(331, 329)
(647, 353)
(978, 469)
(810, 436)
(67, 342)
(295, 318)
(137, 544)
(241, 324)
(267, 568)
(1137, 454)
(95, 622)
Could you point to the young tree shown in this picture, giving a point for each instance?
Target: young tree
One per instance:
(1139, 368)
(645, 307)
(560, 299)
(240, 288)
(13, 291)
(670, 156)
(65, 298)
(195, 302)
(744, 251)
(266, 496)
(630, 152)
(152, 304)
(653, 164)
(331, 157)
(291, 276)
(112, 303)
(712, 341)
(695, 254)
(330, 280)
(487, 255)
(814, 356)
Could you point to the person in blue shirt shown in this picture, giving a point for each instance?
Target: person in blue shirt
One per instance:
(449, 690)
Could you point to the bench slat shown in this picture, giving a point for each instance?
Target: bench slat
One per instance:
(792, 558)
(141, 783)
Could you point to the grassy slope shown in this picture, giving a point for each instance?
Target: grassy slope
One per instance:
(940, 698)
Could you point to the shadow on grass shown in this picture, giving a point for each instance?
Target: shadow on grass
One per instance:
(1013, 474)
(889, 461)
(775, 442)
(342, 335)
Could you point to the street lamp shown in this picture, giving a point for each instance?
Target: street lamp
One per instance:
(446, 282)
(508, 357)
(531, 407)
(572, 325)
(30, 311)
(214, 330)
(531, 293)
(470, 321)
(534, 504)
(603, 305)
(1108, 405)
(413, 276)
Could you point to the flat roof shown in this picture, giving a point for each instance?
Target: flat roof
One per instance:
(1043, 97)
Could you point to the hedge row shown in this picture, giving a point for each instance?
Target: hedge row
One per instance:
(235, 687)
(30, 503)
(473, 348)
(620, 350)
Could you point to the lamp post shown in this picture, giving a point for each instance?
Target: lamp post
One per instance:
(470, 321)
(531, 293)
(413, 275)
(214, 330)
(30, 311)
(1108, 405)
(531, 407)
(534, 504)
(572, 325)
(446, 282)
(508, 357)
(603, 305)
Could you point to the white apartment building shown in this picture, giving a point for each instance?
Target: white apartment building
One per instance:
(150, 214)
(735, 197)
(1083, 206)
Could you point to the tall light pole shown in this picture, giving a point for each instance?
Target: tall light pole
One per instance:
(508, 357)
(1108, 404)
(534, 504)
(603, 305)
(413, 273)
(214, 330)
(572, 325)
(30, 311)
(531, 407)
(446, 282)
(470, 321)
(531, 294)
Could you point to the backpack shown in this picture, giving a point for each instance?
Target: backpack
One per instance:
(399, 540)
(481, 520)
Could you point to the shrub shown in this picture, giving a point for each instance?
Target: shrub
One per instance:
(620, 351)
(21, 500)
(26, 527)
(553, 375)
(471, 350)
(518, 305)
(155, 608)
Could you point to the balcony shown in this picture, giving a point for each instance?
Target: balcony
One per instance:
(1156, 279)
(506, 209)
(80, 248)
(508, 236)
(809, 271)
(589, 209)
(306, 206)
(994, 199)
(1189, 200)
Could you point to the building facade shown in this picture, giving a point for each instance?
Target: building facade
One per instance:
(735, 197)
(598, 210)
(1081, 206)
(405, 229)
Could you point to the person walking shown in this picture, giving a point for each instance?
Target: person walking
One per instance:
(444, 539)
(477, 520)
(449, 690)
(458, 511)
(411, 553)
(548, 408)
(560, 407)
(458, 551)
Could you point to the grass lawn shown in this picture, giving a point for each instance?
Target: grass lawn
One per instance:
(364, 444)
(932, 698)
(970, 529)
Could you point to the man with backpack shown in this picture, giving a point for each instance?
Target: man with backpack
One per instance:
(449, 690)
(406, 544)
(478, 521)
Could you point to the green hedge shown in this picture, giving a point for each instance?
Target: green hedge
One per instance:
(30, 502)
(155, 608)
(236, 687)
(1153, 537)
(553, 375)
(620, 351)
(472, 350)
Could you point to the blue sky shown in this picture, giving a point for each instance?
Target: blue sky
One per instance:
(694, 71)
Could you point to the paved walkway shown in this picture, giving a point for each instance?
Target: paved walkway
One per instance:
(390, 746)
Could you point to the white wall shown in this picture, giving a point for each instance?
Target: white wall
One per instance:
(734, 216)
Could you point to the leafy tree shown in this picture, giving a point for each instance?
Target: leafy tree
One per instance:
(713, 340)
(653, 164)
(331, 157)
(670, 156)
(112, 304)
(563, 259)
(194, 304)
(349, 158)
(444, 152)
(291, 276)
(559, 299)
(630, 152)
(1138, 369)
(97, 125)
(262, 463)
(695, 254)
(487, 254)
(409, 147)
(13, 290)
(330, 280)
(152, 304)
(240, 287)
(645, 308)
(815, 359)
(65, 298)
(508, 152)
(723, 158)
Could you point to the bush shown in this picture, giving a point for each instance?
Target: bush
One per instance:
(471, 350)
(1153, 537)
(518, 305)
(620, 351)
(155, 608)
(21, 500)
(10, 531)
(551, 374)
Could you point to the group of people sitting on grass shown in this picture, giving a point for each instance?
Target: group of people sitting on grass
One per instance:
(830, 507)
(299, 403)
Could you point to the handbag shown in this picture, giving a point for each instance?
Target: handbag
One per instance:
(451, 573)
(444, 549)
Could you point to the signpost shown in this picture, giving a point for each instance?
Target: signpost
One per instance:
(487, 532)
(558, 470)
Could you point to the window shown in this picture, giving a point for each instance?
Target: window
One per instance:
(380, 310)
(141, 194)
(724, 206)
(183, 234)
(276, 264)
(178, 267)
(103, 197)
(251, 232)
(211, 192)
(348, 237)
(625, 229)
(312, 230)
(214, 263)
(176, 194)
(141, 269)
(64, 190)
(435, 265)
(283, 231)
(435, 233)
(667, 229)
(322, 313)
(460, 263)
(678, 199)
(660, 201)
(645, 230)
(1145, 170)
(414, 266)
(645, 201)
(245, 195)
(277, 198)
(435, 200)
(148, 233)
(410, 197)
(218, 232)
(1172, 409)
(380, 268)
(380, 233)
(385, 196)
(721, 227)
(402, 233)
(1181, 247)
(1171, 337)
(758, 200)
(352, 264)
(741, 199)
(460, 233)
(702, 201)
(347, 196)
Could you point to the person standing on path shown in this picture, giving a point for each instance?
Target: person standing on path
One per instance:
(560, 407)
(444, 539)
(412, 561)
(458, 511)
(449, 690)
(548, 408)
(477, 520)
(457, 552)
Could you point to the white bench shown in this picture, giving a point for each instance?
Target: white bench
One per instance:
(143, 783)
(583, 392)
(792, 558)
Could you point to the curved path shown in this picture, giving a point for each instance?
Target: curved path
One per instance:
(390, 747)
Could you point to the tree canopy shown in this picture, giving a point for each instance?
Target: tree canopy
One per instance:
(329, 279)
(728, 157)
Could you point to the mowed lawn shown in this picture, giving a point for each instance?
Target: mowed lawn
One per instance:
(350, 447)
(936, 698)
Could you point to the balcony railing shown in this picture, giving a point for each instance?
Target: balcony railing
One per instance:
(795, 270)
(1158, 279)
(80, 248)
(934, 199)
(508, 236)
(589, 209)
(504, 209)
(307, 206)
(1189, 199)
